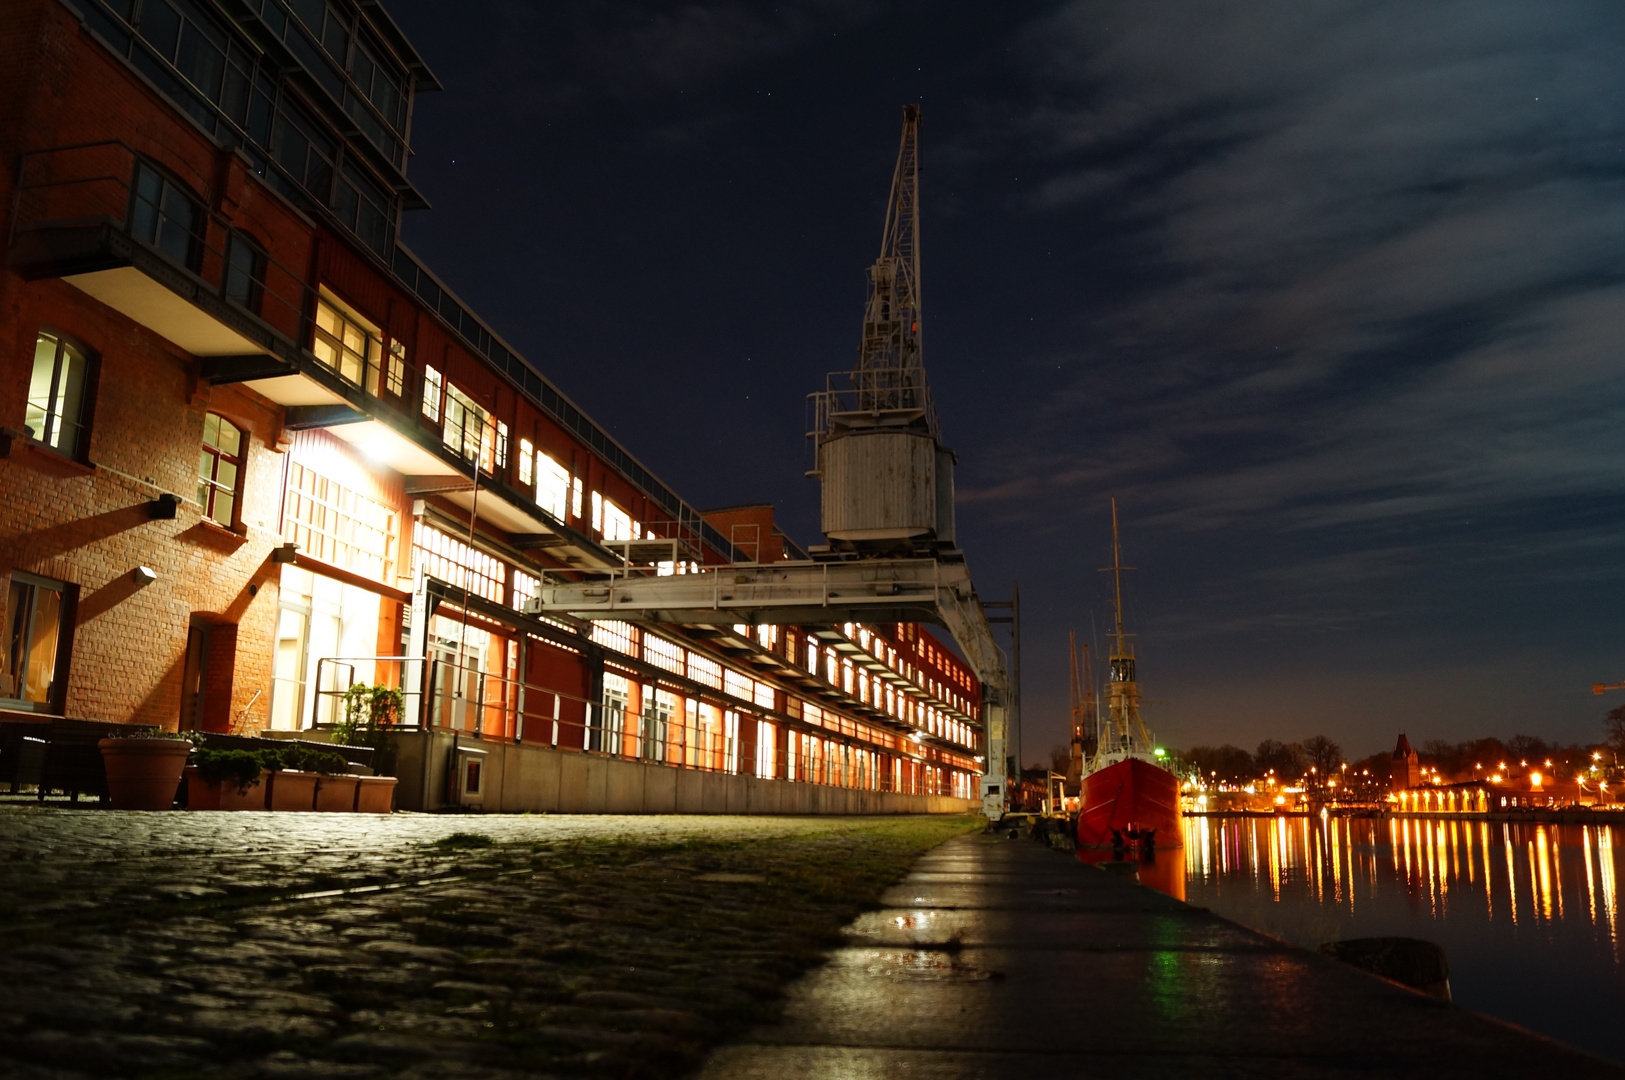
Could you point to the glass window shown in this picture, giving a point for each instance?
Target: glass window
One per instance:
(395, 368)
(164, 215)
(220, 469)
(527, 454)
(346, 346)
(55, 412)
(31, 666)
(552, 486)
(433, 388)
(245, 272)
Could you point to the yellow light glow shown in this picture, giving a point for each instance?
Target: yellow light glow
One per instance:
(1280, 800)
(1534, 778)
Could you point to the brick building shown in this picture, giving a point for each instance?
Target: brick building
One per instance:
(253, 451)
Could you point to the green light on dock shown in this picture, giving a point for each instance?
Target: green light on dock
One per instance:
(1160, 752)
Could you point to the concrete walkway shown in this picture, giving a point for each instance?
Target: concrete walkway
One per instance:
(999, 958)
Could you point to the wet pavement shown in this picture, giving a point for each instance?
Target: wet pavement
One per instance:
(247, 945)
(1000, 958)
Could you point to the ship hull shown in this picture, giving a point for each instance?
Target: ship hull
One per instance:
(1129, 798)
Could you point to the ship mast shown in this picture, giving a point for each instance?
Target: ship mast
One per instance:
(1122, 733)
(1085, 712)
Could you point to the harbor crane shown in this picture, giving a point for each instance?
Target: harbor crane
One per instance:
(887, 508)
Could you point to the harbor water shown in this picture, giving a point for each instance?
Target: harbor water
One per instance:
(1528, 913)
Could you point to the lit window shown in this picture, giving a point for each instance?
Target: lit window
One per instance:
(527, 454)
(30, 665)
(395, 369)
(617, 522)
(449, 559)
(575, 498)
(219, 469)
(346, 346)
(56, 412)
(552, 486)
(597, 513)
(493, 445)
(339, 526)
(665, 654)
(433, 388)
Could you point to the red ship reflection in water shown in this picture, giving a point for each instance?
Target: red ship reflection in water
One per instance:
(1162, 870)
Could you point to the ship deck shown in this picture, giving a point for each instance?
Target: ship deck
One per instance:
(999, 958)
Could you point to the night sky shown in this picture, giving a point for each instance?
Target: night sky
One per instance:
(1330, 294)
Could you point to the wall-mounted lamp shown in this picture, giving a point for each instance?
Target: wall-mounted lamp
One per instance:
(163, 507)
(285, 553)
(144, 575)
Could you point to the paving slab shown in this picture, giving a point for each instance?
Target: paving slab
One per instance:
(1000, 959)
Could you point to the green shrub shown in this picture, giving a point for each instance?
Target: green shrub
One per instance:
(240, 767)
(304, 759)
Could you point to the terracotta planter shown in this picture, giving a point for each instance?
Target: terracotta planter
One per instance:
(375, 794)
(291, 790)
(336, 794)
(223, 795)
(144, 774)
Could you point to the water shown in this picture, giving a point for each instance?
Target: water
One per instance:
(1529, 914)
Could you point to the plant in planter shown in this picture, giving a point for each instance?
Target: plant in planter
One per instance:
(225, 780)
(371, 716)
(144, 767)
(291, 786)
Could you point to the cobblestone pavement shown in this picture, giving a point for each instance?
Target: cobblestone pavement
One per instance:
(183, 945)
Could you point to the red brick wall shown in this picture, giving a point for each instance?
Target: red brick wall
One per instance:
(88, 526)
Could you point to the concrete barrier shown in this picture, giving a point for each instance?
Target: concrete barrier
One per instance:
(539, 779)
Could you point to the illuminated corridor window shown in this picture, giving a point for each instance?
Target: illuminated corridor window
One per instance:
(56, 395)
(617, 523)
(219, 469)
(346, 346)
(338, 526)
(433, 387)
(665, 654)
(395, 369)
(617, 636)
(448, 559)
(552, 486)
(527, 454)
(31, 666)
(472, 433)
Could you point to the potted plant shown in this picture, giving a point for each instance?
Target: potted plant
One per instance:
(371, 715)
(291, 786)
(226, 780)
(375, 794)
(144, 767)
(335, 784)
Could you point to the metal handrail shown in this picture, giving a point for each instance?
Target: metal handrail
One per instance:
(650, 735)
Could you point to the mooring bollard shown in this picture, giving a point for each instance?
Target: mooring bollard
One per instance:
(1421, 965)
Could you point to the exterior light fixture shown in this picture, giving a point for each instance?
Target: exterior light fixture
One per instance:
(144, 575)
(163, 508)
(285, 553)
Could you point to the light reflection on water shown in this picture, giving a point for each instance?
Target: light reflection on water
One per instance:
(1529, 914)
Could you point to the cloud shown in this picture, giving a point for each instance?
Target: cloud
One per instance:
(1374, 250)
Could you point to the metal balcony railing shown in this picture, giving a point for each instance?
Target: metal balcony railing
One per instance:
(440, 695)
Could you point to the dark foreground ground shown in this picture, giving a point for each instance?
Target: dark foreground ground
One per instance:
(313, 945)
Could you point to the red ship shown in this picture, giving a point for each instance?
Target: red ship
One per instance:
(1127, 800)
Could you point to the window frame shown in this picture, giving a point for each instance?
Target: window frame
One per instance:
(67, 598)
(253, 298)
(196, 235)
(210, 486)
(52, 415)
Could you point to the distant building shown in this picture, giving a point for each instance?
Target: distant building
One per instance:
(1406, 769)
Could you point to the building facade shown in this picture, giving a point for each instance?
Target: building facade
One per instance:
(253, 452)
